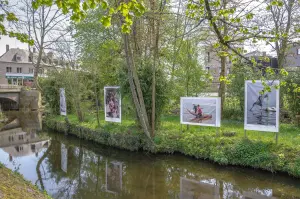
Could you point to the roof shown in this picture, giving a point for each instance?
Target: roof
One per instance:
(16, 55)
(22, 56)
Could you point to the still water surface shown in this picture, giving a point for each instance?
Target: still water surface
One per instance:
(67, 167)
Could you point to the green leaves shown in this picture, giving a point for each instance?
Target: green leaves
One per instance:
(106, 21)
(249, 16)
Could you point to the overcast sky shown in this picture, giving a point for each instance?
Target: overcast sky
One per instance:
(13, 43)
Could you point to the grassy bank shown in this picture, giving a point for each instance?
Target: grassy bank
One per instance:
(13, 186)
(228, 147)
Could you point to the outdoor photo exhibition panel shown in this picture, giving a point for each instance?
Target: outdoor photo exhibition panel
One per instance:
(202, 111)
(112, 100)
(63, 105)
(261, 107)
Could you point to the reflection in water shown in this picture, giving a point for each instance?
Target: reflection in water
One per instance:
(67, 167)
(64, 158)
(114, 177)
(205, 189)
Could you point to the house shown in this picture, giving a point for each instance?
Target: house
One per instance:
(17, 65)
(260, 58)
(212, 64)
(293, 56)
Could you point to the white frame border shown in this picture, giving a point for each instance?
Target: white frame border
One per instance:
(107, 118)
(262, 127)
(218, 111)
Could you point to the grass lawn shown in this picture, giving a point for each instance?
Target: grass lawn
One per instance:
(289, 134)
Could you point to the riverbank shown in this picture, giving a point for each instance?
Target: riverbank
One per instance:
(13, 186)
(228, 147)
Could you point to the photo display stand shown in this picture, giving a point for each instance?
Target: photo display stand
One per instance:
(261, 106)
(201, 111)
(112, 100)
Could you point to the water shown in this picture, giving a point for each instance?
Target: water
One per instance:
(262, 117)
(67, 167)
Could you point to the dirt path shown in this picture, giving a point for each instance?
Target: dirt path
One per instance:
(13, 186)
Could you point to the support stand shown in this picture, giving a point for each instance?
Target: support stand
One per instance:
(245, 133)
(276, 137)
(67, 125)
(217, 131)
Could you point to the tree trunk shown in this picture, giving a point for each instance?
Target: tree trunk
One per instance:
(135, 88)
(222, 87)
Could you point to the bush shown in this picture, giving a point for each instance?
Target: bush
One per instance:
(291, 95)
(161, 97)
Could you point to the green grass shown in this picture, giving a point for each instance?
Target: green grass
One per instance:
(289, 134)
(14, 186)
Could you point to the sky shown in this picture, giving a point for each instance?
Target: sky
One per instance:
(13, 43)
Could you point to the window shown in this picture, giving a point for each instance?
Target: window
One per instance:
(19, 70)
(8, 69)
(30, 70)
(208, 57)
(21, 137)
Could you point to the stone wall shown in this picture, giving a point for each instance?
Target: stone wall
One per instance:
(29, 100)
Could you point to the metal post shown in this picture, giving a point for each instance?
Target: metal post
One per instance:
(245, 133)
(276, 137)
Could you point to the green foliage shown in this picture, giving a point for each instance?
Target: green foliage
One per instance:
(78, 9)
(292, 94)
(6, 17)
(162, 89)
(77, 94)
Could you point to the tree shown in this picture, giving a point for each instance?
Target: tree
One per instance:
(283, 25)
(45, 26)
(7, 16)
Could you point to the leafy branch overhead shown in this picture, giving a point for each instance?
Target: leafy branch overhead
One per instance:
(128, 10)
(7, 17)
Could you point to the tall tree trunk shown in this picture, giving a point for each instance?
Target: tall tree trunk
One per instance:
(135, 88)
(284, 43)
(222, 88)
(155, 29)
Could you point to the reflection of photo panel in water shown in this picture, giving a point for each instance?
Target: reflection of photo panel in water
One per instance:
(261, 107)
(114, 177)
(203, 111)
(112, 101)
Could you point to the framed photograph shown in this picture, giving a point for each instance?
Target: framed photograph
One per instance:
(63, 105)
(202, 111)
(261, 107)
(114, 177)
(112, 100)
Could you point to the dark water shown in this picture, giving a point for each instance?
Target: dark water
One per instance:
(67, 167)
(262, 117)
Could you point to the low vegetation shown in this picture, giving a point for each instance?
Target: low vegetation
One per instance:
(13, 186)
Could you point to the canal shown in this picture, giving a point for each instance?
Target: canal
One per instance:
(67, 167)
